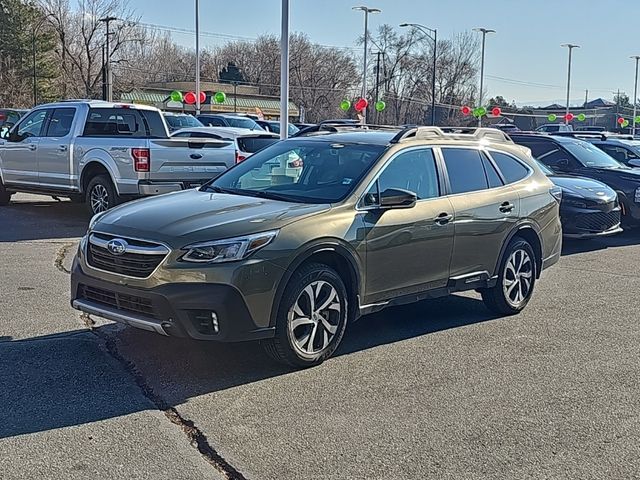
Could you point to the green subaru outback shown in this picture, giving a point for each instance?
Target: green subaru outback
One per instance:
(313, 232)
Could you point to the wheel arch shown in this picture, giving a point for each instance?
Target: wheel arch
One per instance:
(531, 233)
(334, 254)
(92, 169)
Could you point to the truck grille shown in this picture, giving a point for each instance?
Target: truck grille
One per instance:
(118, 301)
(598, 221)
(138, 259)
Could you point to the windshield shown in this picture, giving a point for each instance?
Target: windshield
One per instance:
(240, 122)
(308, 171)
(182, 121)
(591, 156)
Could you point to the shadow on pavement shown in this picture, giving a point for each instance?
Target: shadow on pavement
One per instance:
(68, 379)
(624, 239)
(42, 219)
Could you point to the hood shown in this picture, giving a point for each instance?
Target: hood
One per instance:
(584, 188)
(182, 218)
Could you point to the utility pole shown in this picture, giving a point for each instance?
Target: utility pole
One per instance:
(284, 70)
(378, 54)
(484, 32)
(104, 75)
(109, 89)
(635, 97)
(570, 47)
(366, 11)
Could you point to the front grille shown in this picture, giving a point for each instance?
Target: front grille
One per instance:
(598, 221)
(118, 301)
(139, 265)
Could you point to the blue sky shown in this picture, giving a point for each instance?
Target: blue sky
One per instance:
(524, 60)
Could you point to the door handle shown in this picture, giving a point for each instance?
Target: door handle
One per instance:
(196, 156)
(443, 218)
(32, 147)
(507, 207)
(62, 148)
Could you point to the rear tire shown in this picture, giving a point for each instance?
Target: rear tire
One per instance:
(5, 196)
(516, 279)
(101, 195)
(311, 318)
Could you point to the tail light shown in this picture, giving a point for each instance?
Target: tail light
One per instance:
(556, 192)
(240, 158)
(141, 159)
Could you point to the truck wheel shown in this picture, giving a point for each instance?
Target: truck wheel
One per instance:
(311, 317)
(5, 196)
(101, 195)
(516, 279)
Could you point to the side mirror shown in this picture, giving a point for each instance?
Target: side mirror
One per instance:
(397, 198)
(635, 162)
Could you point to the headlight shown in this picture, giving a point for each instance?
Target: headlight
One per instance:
(637, 199)
(95, 219)
(574, 203)
(230, 250)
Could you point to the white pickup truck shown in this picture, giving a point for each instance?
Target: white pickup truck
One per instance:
(103, 154)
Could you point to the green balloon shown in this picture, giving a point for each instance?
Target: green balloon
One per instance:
(552, 117)
(380, 105)
(220, 97)
(482, 111)
(582, 117)
(176, 96)
(345, 105)
(637, 119)
(476, 112)
(625, 123)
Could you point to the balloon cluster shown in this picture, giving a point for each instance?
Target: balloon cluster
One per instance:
(569, 117)
(190, 97)
(361, 105)
(479, 111)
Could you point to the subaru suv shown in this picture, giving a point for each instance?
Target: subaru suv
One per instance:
(289, 256)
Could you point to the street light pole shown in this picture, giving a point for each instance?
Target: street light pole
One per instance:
(366, 11)
(197, 57)
(570, 46)
(107, 21)
(284, 70)
(432, 34)
(635, 96)
(484, 32)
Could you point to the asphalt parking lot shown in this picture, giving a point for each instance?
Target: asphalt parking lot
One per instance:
(441, 389)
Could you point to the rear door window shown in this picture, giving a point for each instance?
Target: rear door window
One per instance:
(492, 176)
(465, 170)
(60, 122)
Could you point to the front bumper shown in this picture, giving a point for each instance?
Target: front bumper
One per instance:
(176, 309)
(590, 222)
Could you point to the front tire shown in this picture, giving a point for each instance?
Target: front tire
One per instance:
(101, 195)
(311, 318)
(516, 279)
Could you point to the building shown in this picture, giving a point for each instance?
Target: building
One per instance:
(239, 98)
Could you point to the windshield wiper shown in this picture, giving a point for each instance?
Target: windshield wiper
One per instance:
(271, 196)
(217, 189)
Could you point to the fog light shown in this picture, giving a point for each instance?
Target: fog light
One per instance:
(214, 322)
(205, 321)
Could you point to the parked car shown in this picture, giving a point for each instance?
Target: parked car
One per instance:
(555, 127)
(176, 121)
(274, 127)
(575, 157)
(247, 142)
(375, 219)
(228, 120)
(591, 128)
(624, 150)
(8, 118)
(588, 208)
(103, 153)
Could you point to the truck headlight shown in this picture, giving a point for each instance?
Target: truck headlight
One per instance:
(230, 250)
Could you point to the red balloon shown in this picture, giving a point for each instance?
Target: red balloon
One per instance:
(189, 98)
(466, 110)
(361, 104)
(496, 111)
(203, 97)
(620, 121)
(569, 116)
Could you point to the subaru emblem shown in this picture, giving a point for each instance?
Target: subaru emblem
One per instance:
(117, 246)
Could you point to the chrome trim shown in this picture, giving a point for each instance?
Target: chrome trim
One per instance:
(159, 250)
(128, 319)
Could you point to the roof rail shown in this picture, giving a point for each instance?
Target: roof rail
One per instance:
(599, 135)
(454, 133)
(326, 127)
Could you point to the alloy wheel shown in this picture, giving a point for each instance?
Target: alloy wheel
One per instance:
(314, 318)
(99, 199)
(517, 281)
